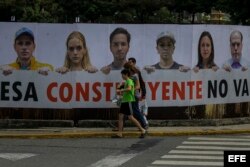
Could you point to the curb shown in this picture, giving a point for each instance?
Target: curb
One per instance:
(158, 128)
(127, 134)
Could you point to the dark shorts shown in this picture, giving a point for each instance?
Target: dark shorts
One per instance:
(126, 108)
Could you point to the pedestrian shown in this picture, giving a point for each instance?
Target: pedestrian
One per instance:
(128, 98)
(143, 106)
(135, 75)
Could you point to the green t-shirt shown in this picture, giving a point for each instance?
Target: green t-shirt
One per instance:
(128, 96)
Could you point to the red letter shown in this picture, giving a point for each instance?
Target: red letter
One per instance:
(165, 90)
(191, 85)
(153, 89)
(199, 89)
(97, 92)
(80, 92)
(70, 92)
(177, 90)
(49, 91)
(108, 90)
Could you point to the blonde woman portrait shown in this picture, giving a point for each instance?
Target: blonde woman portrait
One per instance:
(77, 56)
(76, 59)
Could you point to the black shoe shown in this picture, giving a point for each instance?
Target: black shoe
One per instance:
(143, 135)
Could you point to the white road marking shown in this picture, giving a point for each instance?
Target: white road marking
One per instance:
(202, 151)
(216, 143)
(212, 148)
(196, 152)
(189, 163)
(193, 157)
(113, 161)
(16, 156)
(218, 139)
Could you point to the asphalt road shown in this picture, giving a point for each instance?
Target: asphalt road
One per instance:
(180, 151)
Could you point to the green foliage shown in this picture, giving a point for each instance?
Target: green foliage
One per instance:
(239, 10)
(120, 11)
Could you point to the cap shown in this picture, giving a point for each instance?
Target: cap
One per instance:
(166, 34)
(23, 31)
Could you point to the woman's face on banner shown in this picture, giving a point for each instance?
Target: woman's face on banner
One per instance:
(24, 47)
(205, 47)
(119, 47)
(165, 48)
(76, 51)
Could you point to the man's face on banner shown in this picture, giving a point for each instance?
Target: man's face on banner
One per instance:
(165, 48)
(119, 47)
(24, 47)
(236, 46)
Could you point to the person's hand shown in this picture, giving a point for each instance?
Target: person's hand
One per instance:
(215, 68)
(7, 70)
(62, 70)
(227, 68)
(196, 69)
(121, 86)
(43, 71)
(244, 68)
(106, 69)
(118, 91)
(149, 69)
(91, 69)
(184, 69)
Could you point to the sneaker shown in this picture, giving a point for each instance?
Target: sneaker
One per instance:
(143, 134)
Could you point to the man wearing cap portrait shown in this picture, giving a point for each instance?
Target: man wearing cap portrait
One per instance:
(24, 46)
(165, 45)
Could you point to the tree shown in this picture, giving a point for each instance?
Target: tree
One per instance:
(193, 7)
(36, 10)
(5, 8)
(238, 10)
(141, 10)
(120, 11)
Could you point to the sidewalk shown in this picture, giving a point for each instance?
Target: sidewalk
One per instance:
(100, 128)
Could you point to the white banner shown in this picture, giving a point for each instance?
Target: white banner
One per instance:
(85, 90)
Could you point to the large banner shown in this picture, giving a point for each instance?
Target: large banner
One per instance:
(95, 90)
(84, 90)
